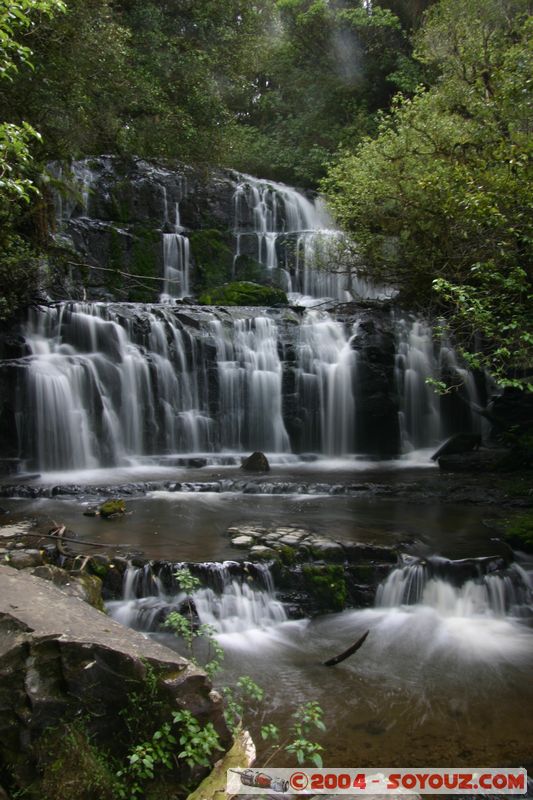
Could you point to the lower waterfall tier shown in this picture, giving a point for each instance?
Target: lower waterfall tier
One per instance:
(96, 384)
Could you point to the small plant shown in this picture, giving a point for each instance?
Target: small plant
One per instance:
(197, 743)
(306, 717)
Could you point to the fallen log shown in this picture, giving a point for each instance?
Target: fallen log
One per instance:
(347, 653)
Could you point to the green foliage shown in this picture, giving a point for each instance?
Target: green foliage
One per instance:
(197, 743)
(244, 293)
(185, 629)
(239, 700)
(440, 201)
(327, 585)
(19, 273)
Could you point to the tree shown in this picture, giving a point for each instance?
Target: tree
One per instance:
(17, 261)
(439, 202)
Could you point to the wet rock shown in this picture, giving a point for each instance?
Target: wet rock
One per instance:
(493, 460)
(25, 559)
(112, 508)
(247, 530)
(86, 587)
(327, 549)
(357, 551)
(257, 462)
(242, 541)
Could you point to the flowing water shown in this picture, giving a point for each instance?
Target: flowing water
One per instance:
(443, 678)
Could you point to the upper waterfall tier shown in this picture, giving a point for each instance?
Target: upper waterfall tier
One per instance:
(195, 231)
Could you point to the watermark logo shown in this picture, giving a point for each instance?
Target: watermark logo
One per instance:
(384, 781)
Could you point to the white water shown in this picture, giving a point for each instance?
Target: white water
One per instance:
(233, 607)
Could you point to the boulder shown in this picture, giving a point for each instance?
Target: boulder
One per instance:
(24, 559)
(257, 462)
(62, 660)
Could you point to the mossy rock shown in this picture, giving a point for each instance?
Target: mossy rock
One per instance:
(112, 508)
(213, 258)
(244, 293)
(326, 584)
(247, 268)
(519, 532)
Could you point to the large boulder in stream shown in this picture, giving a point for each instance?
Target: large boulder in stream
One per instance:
(66, 666)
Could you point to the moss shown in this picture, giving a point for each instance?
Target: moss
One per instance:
(213, 258)
(362, 573)
(112, 507)
(327, 586)
(519, 531)
(145, 262)
(244, 293)
(114, 281)
(247, 268)
(73, 767)
(288, 555)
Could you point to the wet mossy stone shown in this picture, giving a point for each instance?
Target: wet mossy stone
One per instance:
(519, 532)
(326, 584)
(112, 508)
(244, 293)
(212, 256)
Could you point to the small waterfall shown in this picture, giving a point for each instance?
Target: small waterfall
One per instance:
(425, 416)
(292, 234)
(250, 378)
(325, 376)
(229, 604)
(445, 587)
(176, 252)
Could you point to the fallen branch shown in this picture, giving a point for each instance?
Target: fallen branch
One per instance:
(349, 652)
(67, 539)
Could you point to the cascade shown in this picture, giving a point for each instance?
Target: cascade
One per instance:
(442, 585)
(106, 383)
(292, 234)
(176, 252)
(425, 417)
(228, 603)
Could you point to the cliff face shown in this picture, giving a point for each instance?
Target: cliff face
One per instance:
(112, 218)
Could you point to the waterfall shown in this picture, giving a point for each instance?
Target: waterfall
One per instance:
(425, 416)
(176, 251)
(230, 604)
(293, 234)
(325, 376)
(447, 588)
(250, 375)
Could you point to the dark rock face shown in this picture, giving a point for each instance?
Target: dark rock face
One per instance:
(60, 658)
(115, 226)
(378, 431)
